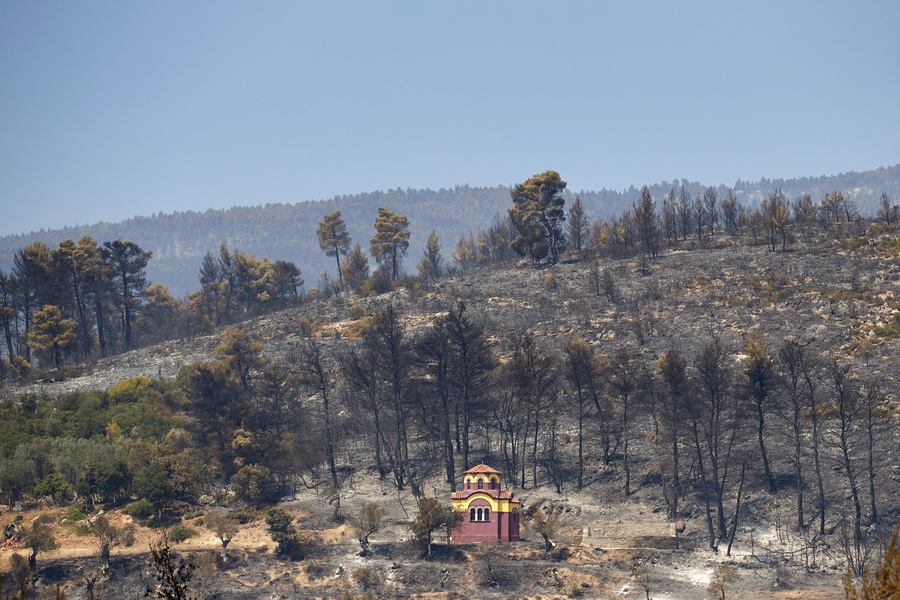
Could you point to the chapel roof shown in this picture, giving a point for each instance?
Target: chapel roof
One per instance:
(482, 468)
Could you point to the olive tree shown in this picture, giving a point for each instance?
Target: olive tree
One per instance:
(431, 516)
(38, 538)
(546, 525)
(224, 528)
(367, 522)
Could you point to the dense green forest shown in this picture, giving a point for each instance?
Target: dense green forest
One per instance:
(287, 231)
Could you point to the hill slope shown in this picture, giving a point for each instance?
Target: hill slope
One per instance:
(288, 231)
(826, 295)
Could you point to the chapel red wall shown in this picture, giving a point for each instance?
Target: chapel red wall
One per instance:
(503, 527)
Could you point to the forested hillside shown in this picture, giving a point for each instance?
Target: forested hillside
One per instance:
(739, 380)
(288, 231)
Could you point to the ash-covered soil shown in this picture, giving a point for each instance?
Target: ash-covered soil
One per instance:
(825, 297)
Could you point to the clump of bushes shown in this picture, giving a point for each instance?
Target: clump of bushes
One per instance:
(892, 329)
(142, 509)
(244, 515)
(889, 245)
(75, 512)
(292, 545)
(377, 284)
(358, 328)
(179, 533)
(305, 326)
(854, 243)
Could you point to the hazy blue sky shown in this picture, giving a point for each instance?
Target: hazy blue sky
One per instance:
(114, 109)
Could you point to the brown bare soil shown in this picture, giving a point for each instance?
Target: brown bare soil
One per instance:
(517, 570)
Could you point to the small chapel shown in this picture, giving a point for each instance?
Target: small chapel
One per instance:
(490, 514)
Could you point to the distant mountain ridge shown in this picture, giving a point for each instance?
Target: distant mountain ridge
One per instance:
(288, 231)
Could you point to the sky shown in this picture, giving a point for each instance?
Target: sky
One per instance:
(113, 109)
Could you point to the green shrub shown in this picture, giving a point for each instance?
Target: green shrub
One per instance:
(291, 544)
(179, 508)
(128, 535)
(892, 328)
(279, 522)
(889, 245)
(130, 390)
(358, 328)
(244, 515)
(375, 285)
(76, 512)
(855, 243)
(142, 509)
(42, 519)
(179, 533)
(83, 529)
(414, 287)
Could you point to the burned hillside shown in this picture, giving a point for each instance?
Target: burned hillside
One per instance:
(720, 386)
